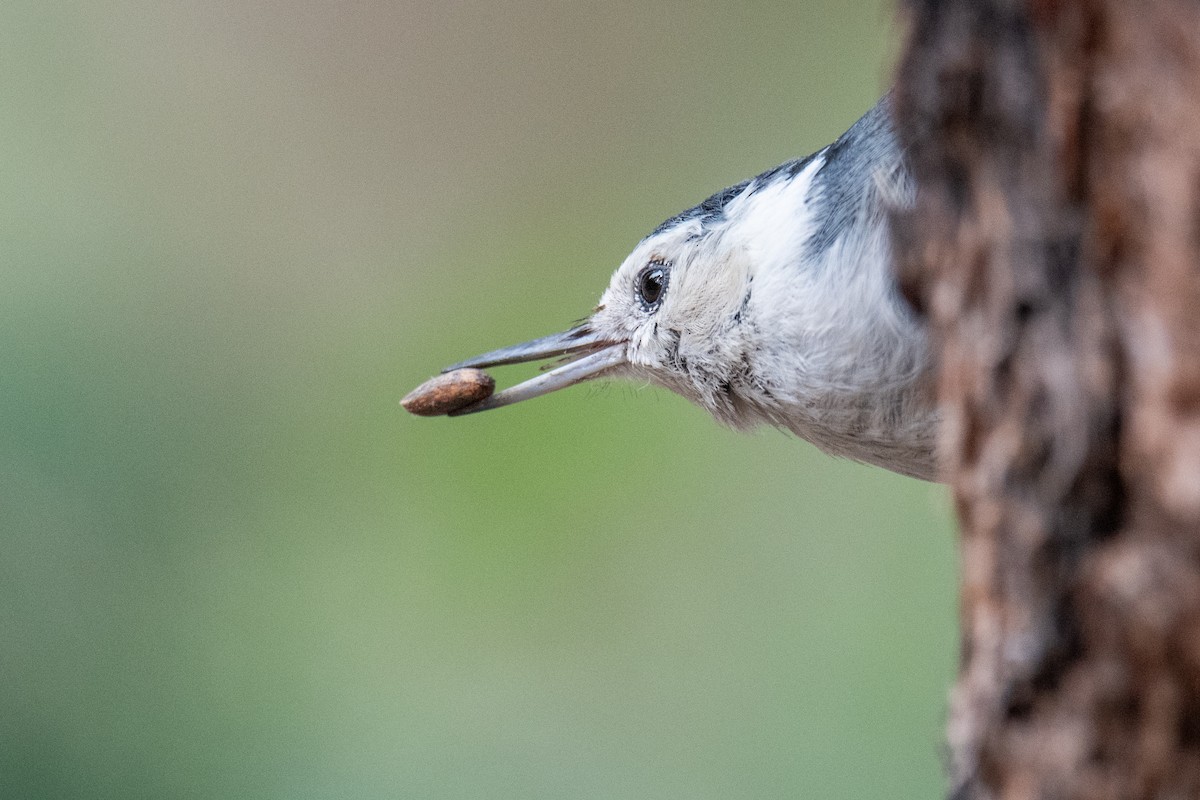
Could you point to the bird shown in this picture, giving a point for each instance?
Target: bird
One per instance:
(772, 302)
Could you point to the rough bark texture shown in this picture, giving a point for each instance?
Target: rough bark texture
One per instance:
(1055, 248)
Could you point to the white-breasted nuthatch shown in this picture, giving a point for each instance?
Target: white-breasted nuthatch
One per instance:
(773, 301)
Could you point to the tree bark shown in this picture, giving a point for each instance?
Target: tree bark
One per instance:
(1055, 248)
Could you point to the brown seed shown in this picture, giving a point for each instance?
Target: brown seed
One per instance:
(450, 392)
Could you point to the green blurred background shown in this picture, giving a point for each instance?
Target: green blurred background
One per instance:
(233, 234)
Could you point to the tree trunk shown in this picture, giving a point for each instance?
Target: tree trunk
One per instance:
(1055, 248)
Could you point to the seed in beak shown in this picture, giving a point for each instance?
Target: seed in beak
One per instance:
(449, 392)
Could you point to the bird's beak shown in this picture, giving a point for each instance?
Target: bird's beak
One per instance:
(588, 355)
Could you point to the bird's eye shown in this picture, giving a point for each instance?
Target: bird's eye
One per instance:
(651, 283)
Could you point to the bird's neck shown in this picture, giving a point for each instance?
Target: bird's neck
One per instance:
(835, 354)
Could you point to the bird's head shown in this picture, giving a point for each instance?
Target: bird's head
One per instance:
(673, 314)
